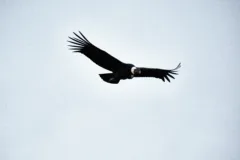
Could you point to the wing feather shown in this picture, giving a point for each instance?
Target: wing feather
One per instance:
(98, 56)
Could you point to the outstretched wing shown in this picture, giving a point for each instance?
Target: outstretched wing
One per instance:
(158, 73)
(98, 56)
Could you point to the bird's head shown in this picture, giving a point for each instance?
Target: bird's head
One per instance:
(135, 71)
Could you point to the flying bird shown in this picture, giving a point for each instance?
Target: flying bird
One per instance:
(119, 70)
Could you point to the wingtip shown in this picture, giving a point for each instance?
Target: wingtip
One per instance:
(84, 37)
(178, 66)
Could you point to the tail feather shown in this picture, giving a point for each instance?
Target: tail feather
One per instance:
(109, 78)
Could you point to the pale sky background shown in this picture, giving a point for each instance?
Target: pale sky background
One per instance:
(54, 106)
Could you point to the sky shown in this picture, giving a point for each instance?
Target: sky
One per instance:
(54, 105)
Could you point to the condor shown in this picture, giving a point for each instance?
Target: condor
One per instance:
(119, 70)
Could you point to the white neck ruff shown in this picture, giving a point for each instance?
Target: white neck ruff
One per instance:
(132, 69)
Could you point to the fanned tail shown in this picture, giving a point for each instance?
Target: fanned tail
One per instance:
(109, 78)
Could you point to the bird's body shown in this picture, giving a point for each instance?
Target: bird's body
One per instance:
(120, 70)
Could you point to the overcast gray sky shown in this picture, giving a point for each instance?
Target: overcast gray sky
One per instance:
(53, 104)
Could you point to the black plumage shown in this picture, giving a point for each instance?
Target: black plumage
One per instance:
(119, 70)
